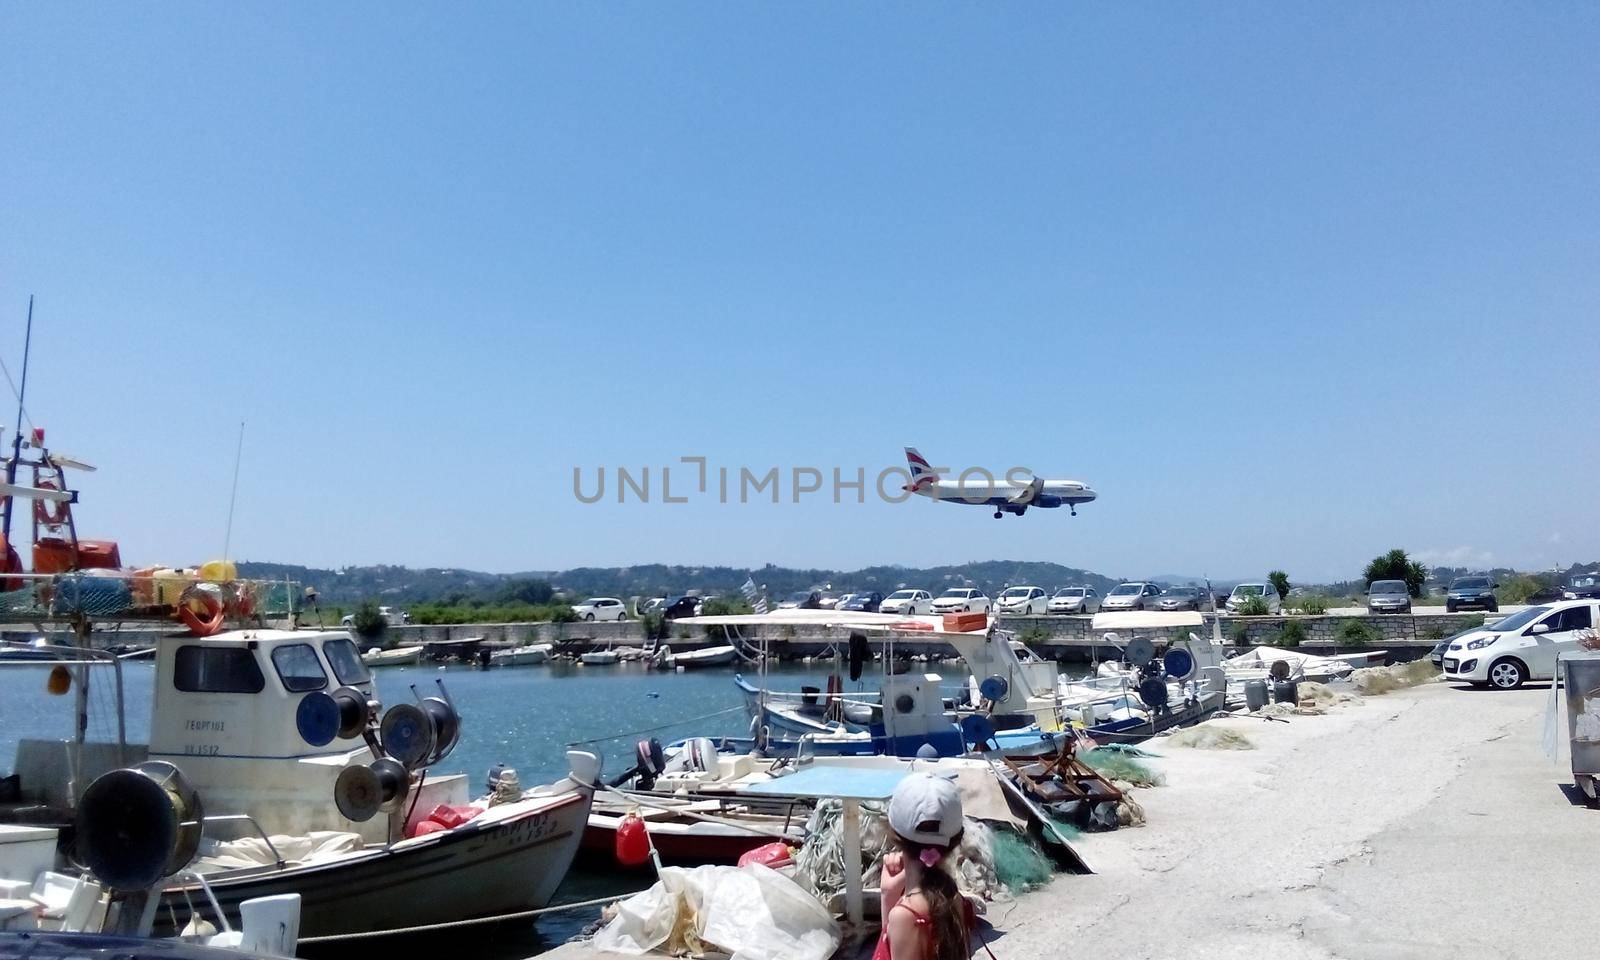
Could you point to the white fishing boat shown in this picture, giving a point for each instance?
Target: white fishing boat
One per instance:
(718, 656)
(523, 656)
(595, 658)
(280, 732)
(408, 656)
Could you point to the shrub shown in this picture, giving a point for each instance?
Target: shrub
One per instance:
(1239, 635)
(1354, 633)
(368, 622)
(1254, 607)
(1033, 633)
(562, 613)
(1314, 605)
(1396, 565)
(655, 626)
(725, 607)
(1280, 583)
(1292, 635)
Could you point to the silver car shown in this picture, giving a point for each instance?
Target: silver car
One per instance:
(1074, 600)
(1388, 596)
(1181, 598)
(1136, 595)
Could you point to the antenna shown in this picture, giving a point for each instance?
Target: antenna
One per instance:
(16, 441)
(233, 496)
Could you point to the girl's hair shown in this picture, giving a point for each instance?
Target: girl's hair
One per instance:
(947, 908)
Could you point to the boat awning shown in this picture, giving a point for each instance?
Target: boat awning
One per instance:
(35, 493)
(1146, 620)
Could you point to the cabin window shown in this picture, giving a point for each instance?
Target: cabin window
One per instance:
(299, 668)
(217, 670)
(346, 661)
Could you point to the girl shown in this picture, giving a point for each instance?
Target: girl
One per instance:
(924, 916)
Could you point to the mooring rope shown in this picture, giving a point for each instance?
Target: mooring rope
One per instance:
(455, 924)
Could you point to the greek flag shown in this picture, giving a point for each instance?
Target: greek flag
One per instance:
(752, 596)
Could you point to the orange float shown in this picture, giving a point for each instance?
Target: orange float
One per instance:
(208, 619)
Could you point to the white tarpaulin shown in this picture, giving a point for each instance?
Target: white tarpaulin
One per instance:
(749, 913)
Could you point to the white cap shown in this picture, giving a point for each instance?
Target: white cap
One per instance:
(925, 809)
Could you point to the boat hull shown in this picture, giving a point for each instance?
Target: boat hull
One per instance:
(480, 869)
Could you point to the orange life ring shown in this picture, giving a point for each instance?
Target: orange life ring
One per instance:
(47, 512)
(212, 620)
(10, 562)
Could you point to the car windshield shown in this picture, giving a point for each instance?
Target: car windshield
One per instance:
(800, 597)
(902, 595)
(1388, 586)
(1070, 592)
(1584, 582)
(1180, 591)
(1016, 592)
(956, 594)
(591, 602)
(1248, 590)
(1517, 620)
(1470, 583)
(1127, 590)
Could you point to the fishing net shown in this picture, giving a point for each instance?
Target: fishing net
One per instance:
(1120, 765)
(1371, 681)
(1209, 736)
(91, 596)
(19, 603)
(1019, 865)
(1319, 698)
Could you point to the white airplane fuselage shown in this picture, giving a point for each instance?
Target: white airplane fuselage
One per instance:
(1001, 492)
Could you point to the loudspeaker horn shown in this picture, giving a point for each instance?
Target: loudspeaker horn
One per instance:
(361, 792)
(1140, 651)
(408, 734)
(446, 726)
(139, 825)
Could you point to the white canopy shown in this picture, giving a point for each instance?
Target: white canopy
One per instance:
(1146, 620)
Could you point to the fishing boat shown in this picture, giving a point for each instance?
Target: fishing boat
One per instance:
(280, 732)
(717, 656)
(408, 656)
(523, 656)
(595, 658)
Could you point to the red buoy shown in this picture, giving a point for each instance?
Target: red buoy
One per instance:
(633, 844)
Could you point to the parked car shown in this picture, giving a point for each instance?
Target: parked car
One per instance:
(1243, 593)
(1022, 601)
(391, 617)
(1074, 600)
(684, 606)
(652, 605)
(863, 602)
(1583, 586)
(829, 600)
(1546, 595)
(1134, 595)
(802, 600)
(1471, 592)
(601, 608)
(1522, 647)
(1180, 598)
(961, 600)
(1388, 596)
(907, 602)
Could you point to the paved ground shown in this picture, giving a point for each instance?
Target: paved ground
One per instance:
(1425, 823)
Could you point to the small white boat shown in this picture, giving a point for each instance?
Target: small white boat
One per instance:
(595, 658)
(397, 657)
(523, 656)
(719, 656)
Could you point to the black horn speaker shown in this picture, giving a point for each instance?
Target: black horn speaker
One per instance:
(139, 825)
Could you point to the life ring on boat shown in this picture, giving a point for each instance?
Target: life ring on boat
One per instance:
(208, 620)
(49, 512)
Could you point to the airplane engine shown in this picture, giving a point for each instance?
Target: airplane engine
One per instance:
(1047, 500)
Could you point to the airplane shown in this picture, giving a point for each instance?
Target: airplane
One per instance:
(1008, 495)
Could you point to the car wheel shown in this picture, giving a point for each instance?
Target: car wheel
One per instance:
(1494, 608)
(1507, 674)
(1449, 608)
(588, 616)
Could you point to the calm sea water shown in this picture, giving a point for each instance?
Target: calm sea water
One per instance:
(524, 717)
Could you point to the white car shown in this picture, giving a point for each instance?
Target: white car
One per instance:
(1521, 647)
(1243, 593)
(1134, 595)
(907, 602)
(601, 608)
(390, 615)
(1074, 600)
(1022, 602)
(961, 600)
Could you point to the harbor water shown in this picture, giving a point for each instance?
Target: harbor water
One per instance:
(523, 717)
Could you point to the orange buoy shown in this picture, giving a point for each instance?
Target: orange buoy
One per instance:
(208, 619)
(48, 512)
(633, 843)
(59, 681)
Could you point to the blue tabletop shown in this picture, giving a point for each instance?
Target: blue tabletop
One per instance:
(845, 783)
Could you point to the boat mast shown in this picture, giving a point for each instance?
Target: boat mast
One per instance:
(16, 439)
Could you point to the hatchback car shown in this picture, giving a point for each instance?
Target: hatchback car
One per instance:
(802, 600)
(1522, 647)
(1022, 601)
(1135, 595)
(1180, 598)
(862, 602)
(1245, 592)
(601, 608)
(1471, 592)
(1388, 596)
(907, 602)
(961, 600)
(1074, 600)
(684, 606)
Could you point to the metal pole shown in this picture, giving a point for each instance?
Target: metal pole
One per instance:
(238, 454)
(16, 441)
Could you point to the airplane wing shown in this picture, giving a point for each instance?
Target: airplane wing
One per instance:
(1029, 493)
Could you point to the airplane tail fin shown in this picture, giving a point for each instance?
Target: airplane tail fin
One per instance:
(922, 474)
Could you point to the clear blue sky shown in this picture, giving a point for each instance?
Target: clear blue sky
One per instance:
(1288, 284)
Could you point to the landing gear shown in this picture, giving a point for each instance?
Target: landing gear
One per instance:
(998, 514)
(1074, 508)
